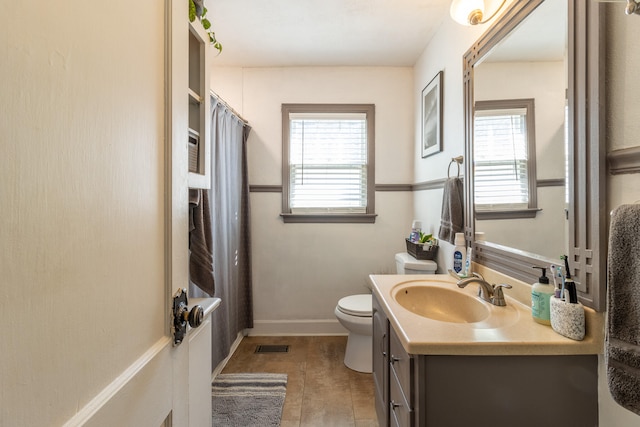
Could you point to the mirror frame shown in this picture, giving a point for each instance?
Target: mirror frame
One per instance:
(587, 198)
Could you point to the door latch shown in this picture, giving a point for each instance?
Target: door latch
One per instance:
(181, 315)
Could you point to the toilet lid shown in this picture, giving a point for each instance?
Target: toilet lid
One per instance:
(425, 266)
(356, 305)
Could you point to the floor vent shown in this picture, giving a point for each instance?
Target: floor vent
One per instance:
(272, 349)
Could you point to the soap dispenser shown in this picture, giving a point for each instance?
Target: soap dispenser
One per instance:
(541, 293)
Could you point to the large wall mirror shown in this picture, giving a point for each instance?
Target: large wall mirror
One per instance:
(534, 145)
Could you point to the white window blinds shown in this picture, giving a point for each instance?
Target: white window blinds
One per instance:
(328, 162)
(501, 178)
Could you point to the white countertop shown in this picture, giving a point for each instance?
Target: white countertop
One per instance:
(520, 336)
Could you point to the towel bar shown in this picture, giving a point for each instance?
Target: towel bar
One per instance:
(457, 161)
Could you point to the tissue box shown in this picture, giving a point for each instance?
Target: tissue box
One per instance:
(567, 319)
(419, 251)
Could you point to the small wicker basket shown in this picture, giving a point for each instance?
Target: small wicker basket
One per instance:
(419, 251)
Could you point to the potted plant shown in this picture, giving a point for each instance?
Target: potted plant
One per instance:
(197, 10)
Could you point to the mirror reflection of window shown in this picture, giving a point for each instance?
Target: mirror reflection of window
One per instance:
(504, 156)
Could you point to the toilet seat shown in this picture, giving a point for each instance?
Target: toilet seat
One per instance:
(357, 305)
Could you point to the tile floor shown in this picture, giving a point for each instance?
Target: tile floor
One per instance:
(321, 391)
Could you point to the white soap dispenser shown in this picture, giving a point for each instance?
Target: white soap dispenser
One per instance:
(459, 254)
(541, 293)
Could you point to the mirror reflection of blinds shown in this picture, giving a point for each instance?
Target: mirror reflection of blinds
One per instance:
(328, 162)
(500, 159)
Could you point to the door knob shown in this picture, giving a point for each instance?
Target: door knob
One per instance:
(182, 315)
(195, 316)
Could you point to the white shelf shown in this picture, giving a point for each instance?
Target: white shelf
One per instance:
(199, 108)
(194, 96)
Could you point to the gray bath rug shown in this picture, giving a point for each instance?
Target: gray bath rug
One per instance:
(247, 400)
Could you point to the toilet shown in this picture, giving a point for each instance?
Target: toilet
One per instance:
(354, 312)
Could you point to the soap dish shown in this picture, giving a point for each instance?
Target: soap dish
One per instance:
(567, 319)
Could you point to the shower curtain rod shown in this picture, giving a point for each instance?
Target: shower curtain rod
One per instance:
(226, 104)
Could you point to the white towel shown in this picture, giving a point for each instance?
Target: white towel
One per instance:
(622, 343)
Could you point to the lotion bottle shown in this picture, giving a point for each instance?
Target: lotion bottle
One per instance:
(459, 254)
(541, 293)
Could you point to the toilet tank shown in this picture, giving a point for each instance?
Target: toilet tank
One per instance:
(406, 264)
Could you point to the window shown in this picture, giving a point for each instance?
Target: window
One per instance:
(328, 162)
(504, 159)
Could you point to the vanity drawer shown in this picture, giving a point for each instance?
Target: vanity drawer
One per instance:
(401, 365)
(400, 413)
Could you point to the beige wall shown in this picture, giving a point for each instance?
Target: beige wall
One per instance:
(81, 213)
(443, 53)
(300, 271)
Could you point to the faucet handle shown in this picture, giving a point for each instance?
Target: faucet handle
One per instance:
(498, 295)
(478, 275)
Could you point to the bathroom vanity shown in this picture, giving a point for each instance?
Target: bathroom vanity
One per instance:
(447, 373)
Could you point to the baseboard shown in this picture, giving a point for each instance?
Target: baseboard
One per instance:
(297, 328)
(223, 363)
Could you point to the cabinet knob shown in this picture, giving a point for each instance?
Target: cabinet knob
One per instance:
(394, 359)
(394, 405)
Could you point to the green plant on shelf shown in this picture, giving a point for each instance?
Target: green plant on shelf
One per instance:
(197, 10)
(428, 239)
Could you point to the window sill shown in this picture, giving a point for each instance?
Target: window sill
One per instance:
(329, 218)
(507, 214)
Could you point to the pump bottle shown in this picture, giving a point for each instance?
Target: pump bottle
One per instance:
(541, 293)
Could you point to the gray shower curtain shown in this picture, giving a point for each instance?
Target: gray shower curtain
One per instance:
(229, 200)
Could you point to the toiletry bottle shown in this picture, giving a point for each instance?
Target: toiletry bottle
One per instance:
(416, 229)
(541, 293)
(467, 263)
(459, 254)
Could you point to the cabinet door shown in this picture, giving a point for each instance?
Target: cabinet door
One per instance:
(381, 362)
(402, 365)
(400, 413)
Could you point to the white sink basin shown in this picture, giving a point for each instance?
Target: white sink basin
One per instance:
(443, 304)
(443, 301)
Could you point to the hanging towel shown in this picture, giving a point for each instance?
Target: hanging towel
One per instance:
(452, 217)
(200, 241)
(622, 343)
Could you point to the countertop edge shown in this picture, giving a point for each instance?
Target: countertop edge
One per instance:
(591, 344)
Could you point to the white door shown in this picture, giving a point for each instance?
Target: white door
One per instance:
(93, 212)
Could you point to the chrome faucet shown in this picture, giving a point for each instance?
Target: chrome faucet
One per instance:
(488, 292)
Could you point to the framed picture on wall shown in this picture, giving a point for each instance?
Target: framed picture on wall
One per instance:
(432, 117)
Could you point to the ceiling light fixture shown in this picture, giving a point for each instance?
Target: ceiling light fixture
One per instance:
(633, 7)
(471, 12)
